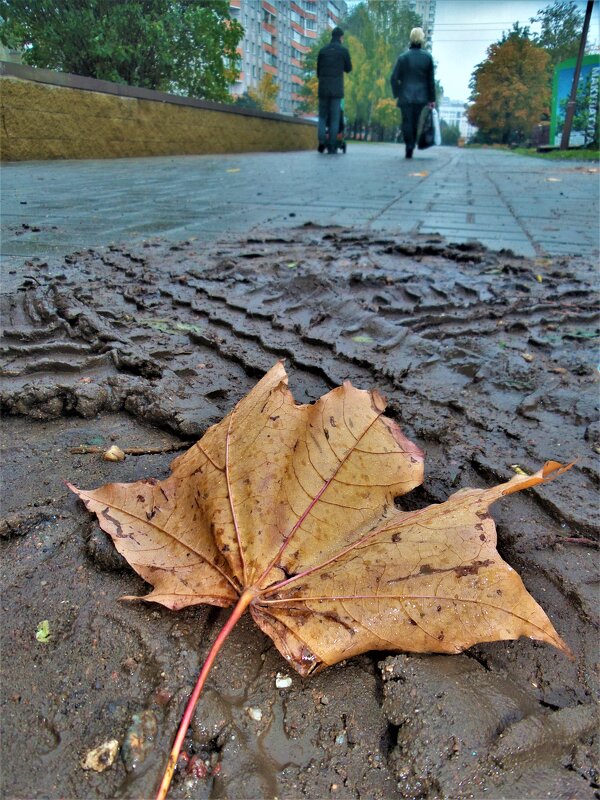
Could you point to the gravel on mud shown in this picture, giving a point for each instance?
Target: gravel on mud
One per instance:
(488, 362)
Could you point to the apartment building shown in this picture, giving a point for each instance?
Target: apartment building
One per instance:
(277, 36)
(426, 10)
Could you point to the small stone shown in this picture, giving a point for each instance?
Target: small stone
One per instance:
(282, 681)
(129, 665)
(114, 453)
(255, 714)
(102, 757)
(139, 739)
(324, 700)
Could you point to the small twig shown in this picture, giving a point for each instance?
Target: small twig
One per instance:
(84, 449)
(576, 540)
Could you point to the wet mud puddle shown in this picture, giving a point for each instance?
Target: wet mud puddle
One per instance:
(488, 361)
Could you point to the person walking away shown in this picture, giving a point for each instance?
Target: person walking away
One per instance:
(413, 86)
(332, 61)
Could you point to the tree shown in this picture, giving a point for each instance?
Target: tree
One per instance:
(509, 90)
(265, 94)
(586, 118)
(450, 133)
(310, 85)
(376, 32)
(561, 25)
(245, 100)
(182, 46)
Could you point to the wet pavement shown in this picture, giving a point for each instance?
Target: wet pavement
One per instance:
(505, 201)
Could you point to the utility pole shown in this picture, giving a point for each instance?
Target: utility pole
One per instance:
(564, 142)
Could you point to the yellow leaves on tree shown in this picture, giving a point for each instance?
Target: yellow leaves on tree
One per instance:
(266, 93)
(511, 90)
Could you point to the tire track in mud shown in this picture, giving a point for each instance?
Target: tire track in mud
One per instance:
(174, 336)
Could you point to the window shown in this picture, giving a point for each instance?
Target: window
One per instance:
(310, 24)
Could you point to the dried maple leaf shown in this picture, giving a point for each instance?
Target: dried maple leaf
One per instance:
(289, 511)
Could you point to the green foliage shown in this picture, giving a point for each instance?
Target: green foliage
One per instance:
(265, 94)
(575, 154)
(561, 26)
(510, 91)
(308, 90)
(450, 134)
(377, 31)
(246, 100)
(586, 118)
(186, 46)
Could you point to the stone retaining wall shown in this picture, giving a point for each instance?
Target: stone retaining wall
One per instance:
(48, 114)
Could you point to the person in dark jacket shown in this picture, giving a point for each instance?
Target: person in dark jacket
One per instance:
(332, 61)
(413, 86)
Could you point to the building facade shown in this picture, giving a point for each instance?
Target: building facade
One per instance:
(426, 10)
(453, 112)
(278, 34)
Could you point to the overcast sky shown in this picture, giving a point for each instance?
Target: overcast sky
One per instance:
(464, 29)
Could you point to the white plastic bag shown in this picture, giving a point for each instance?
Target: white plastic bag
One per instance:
(437, 133)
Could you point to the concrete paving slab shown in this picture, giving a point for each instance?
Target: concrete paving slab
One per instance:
(501, 199)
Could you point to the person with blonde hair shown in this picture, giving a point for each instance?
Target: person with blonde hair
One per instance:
(413, 86)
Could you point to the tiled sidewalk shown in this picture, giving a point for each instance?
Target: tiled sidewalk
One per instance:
(503, 200)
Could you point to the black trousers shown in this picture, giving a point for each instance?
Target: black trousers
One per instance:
(410, 119)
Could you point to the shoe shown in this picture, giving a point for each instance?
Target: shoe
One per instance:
(321, 148)
(409, 152)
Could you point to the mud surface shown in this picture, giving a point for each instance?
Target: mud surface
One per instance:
(488, 361)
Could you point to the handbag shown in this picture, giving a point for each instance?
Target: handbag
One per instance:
(437, 132)
(425, 129)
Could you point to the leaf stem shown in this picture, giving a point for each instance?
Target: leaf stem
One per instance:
(240, 607)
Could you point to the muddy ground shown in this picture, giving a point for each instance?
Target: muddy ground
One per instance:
(487, 360)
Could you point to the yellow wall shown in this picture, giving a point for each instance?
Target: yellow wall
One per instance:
(43, 121)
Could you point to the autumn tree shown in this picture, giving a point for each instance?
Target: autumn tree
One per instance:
(379, 31)
(376, 32)
(509, 90)
(182, 46)
(265, 94)
(310, 84)
(561, 26)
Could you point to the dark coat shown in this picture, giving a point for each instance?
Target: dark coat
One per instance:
(333, 60)
(412, 79)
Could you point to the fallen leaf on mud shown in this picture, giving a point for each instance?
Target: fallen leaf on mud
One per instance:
(527, 356)
(418, 174)
(292, 508)
(43, 632)
(237, 169)
(553, 180)
(362, 338)
(288, 510)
